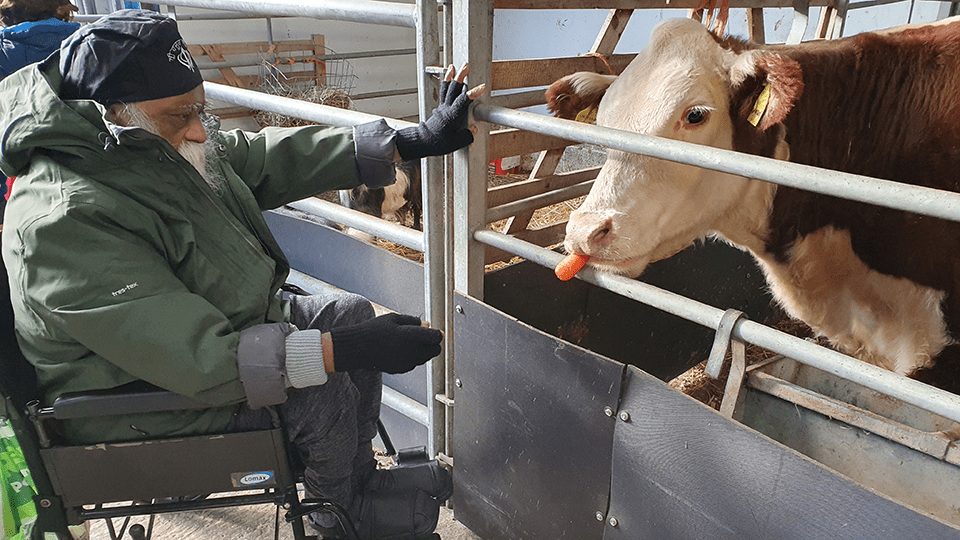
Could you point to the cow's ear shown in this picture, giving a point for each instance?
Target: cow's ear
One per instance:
(766, 86)
(576, 93)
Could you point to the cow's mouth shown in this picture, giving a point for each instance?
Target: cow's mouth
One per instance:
(630, 266)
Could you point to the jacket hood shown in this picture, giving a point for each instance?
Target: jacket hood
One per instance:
(35, 119)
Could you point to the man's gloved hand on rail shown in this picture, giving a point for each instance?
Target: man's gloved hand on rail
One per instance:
(446, 130)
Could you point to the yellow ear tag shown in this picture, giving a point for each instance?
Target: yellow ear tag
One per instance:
(760, 106)
(587, 116)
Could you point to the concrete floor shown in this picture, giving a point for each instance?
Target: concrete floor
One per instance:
(244, 523)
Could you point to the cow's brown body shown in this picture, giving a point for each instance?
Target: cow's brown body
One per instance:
(881, 105)
(885, 106)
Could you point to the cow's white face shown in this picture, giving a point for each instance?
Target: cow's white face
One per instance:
(642, 209)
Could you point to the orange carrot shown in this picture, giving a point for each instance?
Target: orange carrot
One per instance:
(570, 265)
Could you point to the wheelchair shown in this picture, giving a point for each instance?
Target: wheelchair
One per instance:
(78, 483)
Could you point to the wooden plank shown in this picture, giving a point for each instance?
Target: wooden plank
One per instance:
(537, 186)
(755, 24)
(213, 51)
(251, 81)
(231, 112)
(319, 66)
(825, 23)
(232, 78)
(612, 29)
(543, 72)
(515, 142)
(645, 4)
(545, 237)
(254, 47)
(546, 164)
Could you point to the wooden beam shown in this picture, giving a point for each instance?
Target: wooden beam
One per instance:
(755, 25)
(537, 186)
(319, 66)
(825, 24)
(544, 237)
(612, 29)
(547, 163)
(645, 4)
(515, 142)
(251, 81)
(543, 72)
(231, 112)
(254, 47)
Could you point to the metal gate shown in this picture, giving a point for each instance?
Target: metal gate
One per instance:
(551, 440)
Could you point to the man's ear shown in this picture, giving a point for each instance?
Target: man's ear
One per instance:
(574, 93)
(765, 86)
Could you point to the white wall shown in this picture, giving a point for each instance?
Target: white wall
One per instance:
(528, 34)
(372, 74)
(518, 34)
(524, 34)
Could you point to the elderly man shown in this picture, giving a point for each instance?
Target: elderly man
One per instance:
(136, 251)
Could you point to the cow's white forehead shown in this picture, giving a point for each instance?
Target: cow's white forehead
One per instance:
(668, 72)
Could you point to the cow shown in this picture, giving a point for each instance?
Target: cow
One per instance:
(396, 201)
(882, 285)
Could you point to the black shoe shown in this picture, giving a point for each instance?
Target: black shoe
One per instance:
(396, 515)
(429, 477)
(386, 515)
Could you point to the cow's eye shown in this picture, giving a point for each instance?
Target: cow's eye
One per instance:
(696, 115)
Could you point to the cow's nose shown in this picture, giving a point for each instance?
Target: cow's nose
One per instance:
(589, 233)
(599, 233)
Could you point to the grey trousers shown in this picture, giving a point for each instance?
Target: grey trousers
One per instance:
(332, 425)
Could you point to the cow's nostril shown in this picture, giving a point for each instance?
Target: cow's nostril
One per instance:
(601, 232)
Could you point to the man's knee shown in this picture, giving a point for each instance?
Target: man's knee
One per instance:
(356, 307)
(326, 311)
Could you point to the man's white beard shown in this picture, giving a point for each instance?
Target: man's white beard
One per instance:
(131, 115)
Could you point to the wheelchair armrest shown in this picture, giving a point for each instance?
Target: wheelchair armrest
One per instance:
(132, 398)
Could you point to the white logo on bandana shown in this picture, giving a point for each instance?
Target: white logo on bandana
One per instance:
(178, 51)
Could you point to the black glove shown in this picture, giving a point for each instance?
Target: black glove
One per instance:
(445, 130)
(391, 343)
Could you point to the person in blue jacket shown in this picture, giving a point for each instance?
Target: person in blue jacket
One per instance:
(33, 29)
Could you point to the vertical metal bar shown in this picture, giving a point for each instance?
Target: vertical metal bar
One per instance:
(473, 27)
(448, 261)
(428, 54)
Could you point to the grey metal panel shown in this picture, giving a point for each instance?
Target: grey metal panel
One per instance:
(382, 277)
(533, 444)
(683, 471)
(913, 477)
(351, 264)
(138, 471)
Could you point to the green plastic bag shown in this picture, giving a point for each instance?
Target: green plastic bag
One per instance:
(19, 513)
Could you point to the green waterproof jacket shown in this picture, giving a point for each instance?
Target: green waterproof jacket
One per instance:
(125, 265)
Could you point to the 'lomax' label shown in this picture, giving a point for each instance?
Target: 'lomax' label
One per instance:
(253, 479)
